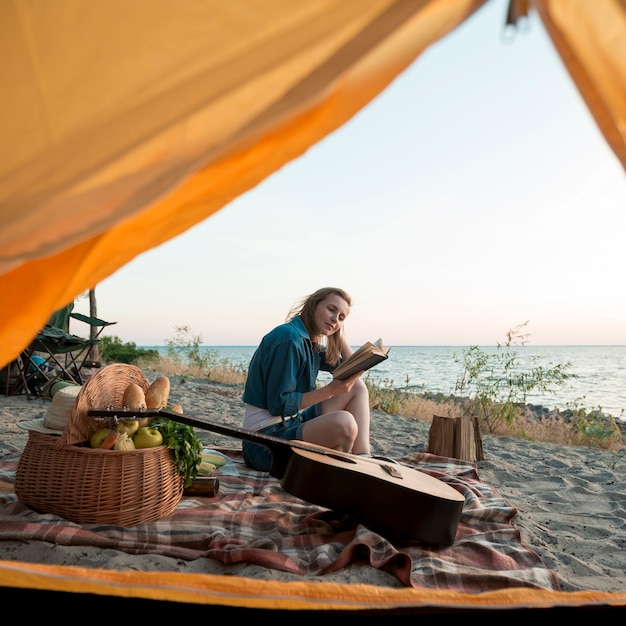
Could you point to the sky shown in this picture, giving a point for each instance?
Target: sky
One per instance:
(473, 195)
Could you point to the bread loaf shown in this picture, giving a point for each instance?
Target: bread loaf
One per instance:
(158, 393)
(133, 398)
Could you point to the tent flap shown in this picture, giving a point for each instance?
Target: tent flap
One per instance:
(125, 124)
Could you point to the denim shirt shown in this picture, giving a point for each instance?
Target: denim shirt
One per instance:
(283, 367)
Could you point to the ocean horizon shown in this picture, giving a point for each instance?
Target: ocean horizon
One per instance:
(598, 382)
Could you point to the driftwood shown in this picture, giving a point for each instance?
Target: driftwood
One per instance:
(456, 437)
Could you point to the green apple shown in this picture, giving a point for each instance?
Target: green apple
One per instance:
(148, 437)
(111, 439)
(128, 426)
(98, 437)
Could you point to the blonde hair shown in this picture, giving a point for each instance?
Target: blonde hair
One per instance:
(305, 308)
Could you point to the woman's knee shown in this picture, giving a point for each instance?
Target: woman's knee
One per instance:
(336, 429)
(348, 425)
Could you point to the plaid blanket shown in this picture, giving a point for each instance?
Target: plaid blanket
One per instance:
(253, 520)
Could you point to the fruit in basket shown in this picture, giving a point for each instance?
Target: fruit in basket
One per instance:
(98, 437)
(158, 393)
(134, 398)
(110, 440)
(128, 426)
(147, 437)
(124, 443)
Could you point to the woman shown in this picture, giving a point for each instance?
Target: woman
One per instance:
(281, 396)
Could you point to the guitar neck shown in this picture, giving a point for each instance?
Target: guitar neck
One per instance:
(280, 448)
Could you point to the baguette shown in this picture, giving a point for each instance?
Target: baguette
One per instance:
(158, 393)
(134, 398)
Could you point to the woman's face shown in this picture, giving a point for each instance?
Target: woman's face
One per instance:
(330, 314)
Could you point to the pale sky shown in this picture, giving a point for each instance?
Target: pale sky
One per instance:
(473, 195)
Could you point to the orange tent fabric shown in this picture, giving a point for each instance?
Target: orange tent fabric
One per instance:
(129, 122)
(228, 591)
(126, 122)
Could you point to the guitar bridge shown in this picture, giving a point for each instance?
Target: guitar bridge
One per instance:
(391, 470)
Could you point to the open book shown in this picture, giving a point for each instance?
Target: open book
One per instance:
(368, 355)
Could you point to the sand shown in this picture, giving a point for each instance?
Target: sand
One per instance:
(571, 501)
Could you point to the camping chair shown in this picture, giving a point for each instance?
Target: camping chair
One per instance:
(40, 364)
(55, 353)
(96, 327)
(82, 355)
(12, 378)
(59, 351)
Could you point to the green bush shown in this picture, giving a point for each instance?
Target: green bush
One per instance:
(184, 348)
(186, 351)
(596, 429)
(383, 396)
(496, 386)
(112, 350)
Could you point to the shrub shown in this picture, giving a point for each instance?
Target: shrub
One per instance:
(595, 429)
(112, 350)
(496, 386)
(383, 397)
(185, 355)
(185, 348)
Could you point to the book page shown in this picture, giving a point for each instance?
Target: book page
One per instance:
(367, 356)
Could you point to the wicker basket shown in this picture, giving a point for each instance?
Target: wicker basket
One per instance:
(87, 485)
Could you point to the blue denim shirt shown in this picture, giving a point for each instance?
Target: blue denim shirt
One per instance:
(283, 367)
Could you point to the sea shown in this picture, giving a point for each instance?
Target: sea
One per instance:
(598, 380)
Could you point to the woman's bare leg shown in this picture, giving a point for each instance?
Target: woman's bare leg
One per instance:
(336, 430)
(359, 406)
(334, 427)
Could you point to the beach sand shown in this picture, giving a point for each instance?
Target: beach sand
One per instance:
(571, 501)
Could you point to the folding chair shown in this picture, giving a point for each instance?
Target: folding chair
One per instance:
(31, 373)
(59, 351)
(12, 377)
(63, 354)
(85, 354)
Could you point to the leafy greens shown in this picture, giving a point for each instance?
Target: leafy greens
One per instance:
(185, 444)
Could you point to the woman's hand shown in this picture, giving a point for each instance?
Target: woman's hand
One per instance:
(332, 389)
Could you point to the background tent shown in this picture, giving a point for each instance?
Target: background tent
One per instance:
(124, 123)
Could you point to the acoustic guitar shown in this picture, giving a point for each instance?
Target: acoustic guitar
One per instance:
(381, 492)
